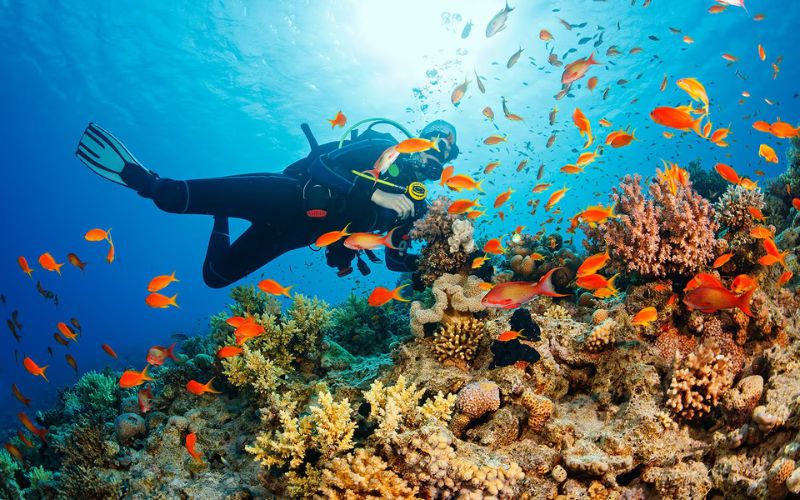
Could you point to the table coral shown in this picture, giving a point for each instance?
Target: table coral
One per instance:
(661, 235)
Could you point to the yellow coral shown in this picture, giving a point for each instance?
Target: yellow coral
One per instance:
(601, 336)
(327, 429)
(252, 369)
(363, 475)
(698, 386)
(457, 340)
(539, 409)
(557, 311)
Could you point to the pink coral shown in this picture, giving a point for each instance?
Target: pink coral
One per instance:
(477, 398)
(663, 235)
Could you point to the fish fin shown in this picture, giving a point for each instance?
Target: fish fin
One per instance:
(286, 291)
(696, 126)
(387, 240)
(43, 374)
(344, 231)
(172, 301)
(396, 294)
(171, 351)
(591, 59)
(743, 303)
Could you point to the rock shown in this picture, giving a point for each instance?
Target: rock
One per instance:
(181, 423)
(336, 357)
(203, 362)
(129, 405)
(128, 426)
(154, 420)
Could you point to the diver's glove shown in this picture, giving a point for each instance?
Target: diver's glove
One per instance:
(400, 203)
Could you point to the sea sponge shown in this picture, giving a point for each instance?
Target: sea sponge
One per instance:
(777, 475)
(699, 383)
(539, 409)
(363, 475)
(740, 401)
(457, 339)
(452, 293)
(732, 207)
(473, 401)
(600, 337)
(327, 429)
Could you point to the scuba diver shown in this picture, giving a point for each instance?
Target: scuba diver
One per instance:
(323, 192)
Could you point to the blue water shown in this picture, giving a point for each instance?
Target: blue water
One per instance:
(203, 89)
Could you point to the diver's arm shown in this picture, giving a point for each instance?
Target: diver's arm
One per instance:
(334, 169)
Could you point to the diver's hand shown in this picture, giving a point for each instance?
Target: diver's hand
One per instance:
(400, 203)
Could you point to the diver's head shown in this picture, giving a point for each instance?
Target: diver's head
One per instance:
(432, 161)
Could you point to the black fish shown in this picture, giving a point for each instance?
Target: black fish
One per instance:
(13, 329)
(599, 41)
(47, 294)
(654, 38)
(2, 298)
(76, 324)
(14, 318)
(50, 350)
(467, 29)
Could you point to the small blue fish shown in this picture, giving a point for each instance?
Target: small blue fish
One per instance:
(467, 30)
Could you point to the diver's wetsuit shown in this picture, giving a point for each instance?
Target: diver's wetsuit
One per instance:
(274, 204)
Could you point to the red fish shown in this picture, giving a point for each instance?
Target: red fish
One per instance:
(229, 351)
(576, 70)
(710, 299)
(502, 198)
(14, 452)
(157, 354)
(18, 394)
(339, 120)
(24, 439)
(191, 441)
(743, 283)
(721, 260)
(774, 255)
(132, 378)
(75, 261)
(645, 316)
(509, 335)
(159, 301)
(145, 399)
(494, 246)
(513, 294)
(23, 264)
(160, 282)
(48, 263)
(67, 331)
(369, 241)
(199, 389)
(36, 431)
(593, 264)
(676, 118)
(381, 295)
(107, 348)
(34, 369)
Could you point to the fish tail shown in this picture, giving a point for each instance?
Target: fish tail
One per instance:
(387, 240)
(396, 293)
(171, 351)
(344, 231)
(172, 301)
(286, 291)
(610, 285)
(479, 186)
(172, 276)
(435, 144)
(108, 235)
(43, 374)
(592, 60)
(743, 303)
(545, 285)
(145, 375)
(696, 126)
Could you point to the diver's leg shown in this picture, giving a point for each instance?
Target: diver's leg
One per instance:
(249, 196)
(226, 263)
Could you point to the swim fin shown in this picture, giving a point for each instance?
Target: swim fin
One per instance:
(106, 156)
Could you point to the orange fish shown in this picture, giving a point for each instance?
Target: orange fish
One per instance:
(730, 58)
(459, 92)
(541, 187)
(502, 198)
(332, 237)
(61, 340)
(521, 165)
(759, 17)
(663, 85)
(67, 331)
(160, 282)
(593, 264)
(447, 172)
(71, 362)
(761, 232)
(159, 301)
(75, 261)
(703, 279)
(576, 70)
(339, 120)
(743, 283)
(488, 113)
(417, 145)
(727, 172)
(784, 278)
(272, 287)
(687, 39)
(369, 241)
(783, 130)
(461, 206)
(592, 83)
(25, 440)
(509, 335)
(191, 441)
(111, 252)
(619, 139)
(157, 354)
(478, 262)
(756, 213)
(764, 151)
(605, 122)
(474, 214)
(381, 295)
(716, 9)
(248, 330)
(199, 389)
(18, 394)
(494, 246)
(107, 348)
(145, 399)
(34, 369)
(97, 235)
(36, 431)
(586, 158)
(678, 119)
(460, 181)
(795, 201)
(48, 263)
(513, 294)
(761, 53)
(545, 35)
(713, 298)
(645, 316)
(762, 126)
(494, 139)
(14, 452)
(132, 378)
(721, 260)
(571, 169)
(597, 214)
(584, 126)
(229, 351)
(774, 255)
(490, 167)
(23, 264)
(555, 198)
(748, 184)
(595, 281)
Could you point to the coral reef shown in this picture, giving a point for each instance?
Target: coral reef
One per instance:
(698, 383)
(732, 208)
(661, 235)
(453, 294)
(448, 242)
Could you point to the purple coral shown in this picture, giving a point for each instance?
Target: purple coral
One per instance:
(663, 235)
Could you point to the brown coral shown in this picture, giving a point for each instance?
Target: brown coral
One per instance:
(665, 234)
(539, 409)
(457, 339)
(697, 387)
(600, 337)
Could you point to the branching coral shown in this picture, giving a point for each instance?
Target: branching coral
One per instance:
(366, 330)
(457, 339)
(452, 293)
(8, 483)
(327, 429)
(699, 385)
(539, 409)
(84, 456)
(664, 234)
(448, 241)
(732, 208)
(94, 396)
(252, 369)
(363, 476)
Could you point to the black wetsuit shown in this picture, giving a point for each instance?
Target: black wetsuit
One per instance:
(274, 205)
